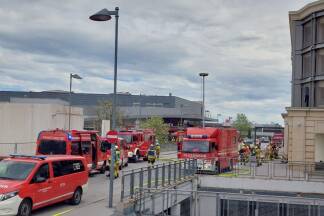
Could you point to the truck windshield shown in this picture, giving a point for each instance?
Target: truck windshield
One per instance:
(48, 147)
(195, 146)
(126, 137)
(15, 170)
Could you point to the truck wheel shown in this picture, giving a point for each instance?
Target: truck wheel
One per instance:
(25, 208)
(103, 168)
(76, 198)
(136, 159)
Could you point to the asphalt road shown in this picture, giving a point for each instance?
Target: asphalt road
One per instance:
(95, 201)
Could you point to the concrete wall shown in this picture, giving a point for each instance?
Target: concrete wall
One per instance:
(302, 126)
(21, 123)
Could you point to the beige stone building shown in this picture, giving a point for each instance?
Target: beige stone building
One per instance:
(304, 121)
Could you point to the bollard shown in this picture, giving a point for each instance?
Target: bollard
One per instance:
(132, 184)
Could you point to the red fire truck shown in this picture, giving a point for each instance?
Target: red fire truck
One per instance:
(74, 142)
(123, 148)
(138, 142)
(214, 148)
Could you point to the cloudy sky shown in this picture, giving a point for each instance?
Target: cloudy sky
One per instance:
(244, 45)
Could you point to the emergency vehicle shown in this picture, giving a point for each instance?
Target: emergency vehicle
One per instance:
(123, 148)
(31, 182)
(74, 142)
(138, 142)
(214, 148)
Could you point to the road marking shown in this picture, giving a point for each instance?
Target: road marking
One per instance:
(61, 213)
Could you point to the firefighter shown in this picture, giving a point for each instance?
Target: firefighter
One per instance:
(151, 155)
(157, 149)
(258, 155)
(116, 164)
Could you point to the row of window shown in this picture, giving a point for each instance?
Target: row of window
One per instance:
(60, 168)
(308, 33)
(319, 95)
(307, 63)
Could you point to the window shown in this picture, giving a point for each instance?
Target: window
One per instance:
(76, 148)
(307, 34)
(86, 147)
(307, 65)
(320, 62)
(305, 95)
(15, 170)
(319, 93)
(126, 137)
(196, 146)
(66, 167)
(43, 172)
(320, 30)
(52, 147)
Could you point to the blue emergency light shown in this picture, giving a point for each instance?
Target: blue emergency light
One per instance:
(69, 136)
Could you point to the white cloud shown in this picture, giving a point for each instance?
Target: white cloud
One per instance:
(163, 45)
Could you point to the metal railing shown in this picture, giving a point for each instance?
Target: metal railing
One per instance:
(153, 201)
(293, 170)
(157, 176)
(17, 148)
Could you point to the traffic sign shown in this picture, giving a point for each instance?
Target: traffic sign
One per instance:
(112, 136)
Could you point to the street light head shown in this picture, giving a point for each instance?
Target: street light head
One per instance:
(203, 74)
(102, 15)
(76, 76)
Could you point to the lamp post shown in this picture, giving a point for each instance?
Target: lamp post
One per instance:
(75, 76)
(203, 75)
(105, 15)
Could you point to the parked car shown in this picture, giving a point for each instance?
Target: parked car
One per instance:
(32, 182)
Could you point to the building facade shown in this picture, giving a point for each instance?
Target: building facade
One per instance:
(174, 110)
(304, 120)
(307, 42)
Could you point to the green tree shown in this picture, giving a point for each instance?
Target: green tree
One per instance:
(242, 124)
(161, 129)
(104, 112)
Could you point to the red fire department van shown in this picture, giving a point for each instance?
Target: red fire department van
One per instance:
(32, 182)
(74, 142)
(138, 142)
(214, 148)
(123, 148)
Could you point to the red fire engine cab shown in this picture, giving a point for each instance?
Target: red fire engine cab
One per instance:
(214, 148)
(74, 142)
(138, 142)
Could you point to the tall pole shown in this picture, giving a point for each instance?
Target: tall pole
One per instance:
(70, 94)
(113, 155)
(203, 115)
(203, 75)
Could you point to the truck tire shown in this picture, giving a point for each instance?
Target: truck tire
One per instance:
(103, 168)
(25, 208)
(137, 156)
